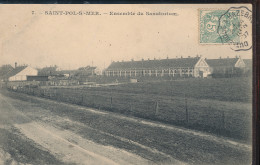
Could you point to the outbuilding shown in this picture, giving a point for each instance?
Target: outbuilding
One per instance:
(20, 73)
(226, 67)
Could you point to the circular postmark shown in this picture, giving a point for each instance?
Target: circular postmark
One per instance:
(235, 28)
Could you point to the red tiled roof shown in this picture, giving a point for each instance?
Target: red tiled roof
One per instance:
(146, 64)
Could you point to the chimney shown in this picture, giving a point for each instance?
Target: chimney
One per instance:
(181, 56)
(219, 57)
(154, 58)
(15, 64)
(176, 56)
(188, 56)
(167, 57)
(148, 59)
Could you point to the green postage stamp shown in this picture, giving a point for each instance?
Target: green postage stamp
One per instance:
(231, 27)
(209, 20)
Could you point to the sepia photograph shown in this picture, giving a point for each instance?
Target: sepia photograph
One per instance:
(129, 84)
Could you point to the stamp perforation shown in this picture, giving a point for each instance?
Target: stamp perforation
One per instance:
(211, 26)
(199, 20)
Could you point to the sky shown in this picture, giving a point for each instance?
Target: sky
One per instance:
(70, 41)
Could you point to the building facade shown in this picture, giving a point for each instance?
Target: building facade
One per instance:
(178, 67)
(226, 67)
(20, 73)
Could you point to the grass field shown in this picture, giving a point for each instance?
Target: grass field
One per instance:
(224, 89)
(219, 106)
(151, 140)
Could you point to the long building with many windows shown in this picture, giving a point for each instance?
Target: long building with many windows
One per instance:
(178, 67)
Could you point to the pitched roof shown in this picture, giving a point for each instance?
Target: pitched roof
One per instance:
(47, 71)
(15, 71)
(222, 62)
(67, 71)
(87, 68)
(5, 69)
(146, 64)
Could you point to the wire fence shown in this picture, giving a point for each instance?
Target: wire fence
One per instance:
(183, 111)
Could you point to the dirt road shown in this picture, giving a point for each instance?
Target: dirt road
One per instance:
(40, 131)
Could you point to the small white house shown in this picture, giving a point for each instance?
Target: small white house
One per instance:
(20, 73)
(201, 68)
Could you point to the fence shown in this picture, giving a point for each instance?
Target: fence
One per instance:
(183, 111)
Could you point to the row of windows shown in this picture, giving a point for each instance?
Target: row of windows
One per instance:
(152, 71)
(145, 73)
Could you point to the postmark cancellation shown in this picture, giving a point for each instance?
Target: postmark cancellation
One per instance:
(231, 27)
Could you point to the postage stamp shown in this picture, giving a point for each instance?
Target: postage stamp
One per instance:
(232, 27)
(208, 23)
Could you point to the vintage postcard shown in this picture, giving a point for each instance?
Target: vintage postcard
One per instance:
(126, 84)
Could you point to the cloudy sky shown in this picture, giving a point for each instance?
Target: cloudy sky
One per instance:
(73, 41)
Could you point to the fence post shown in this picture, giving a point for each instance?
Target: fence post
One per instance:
(223, 119)
(186, 108)
(82, 99)
(156, 108)
(55, 94)
(111, 102)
